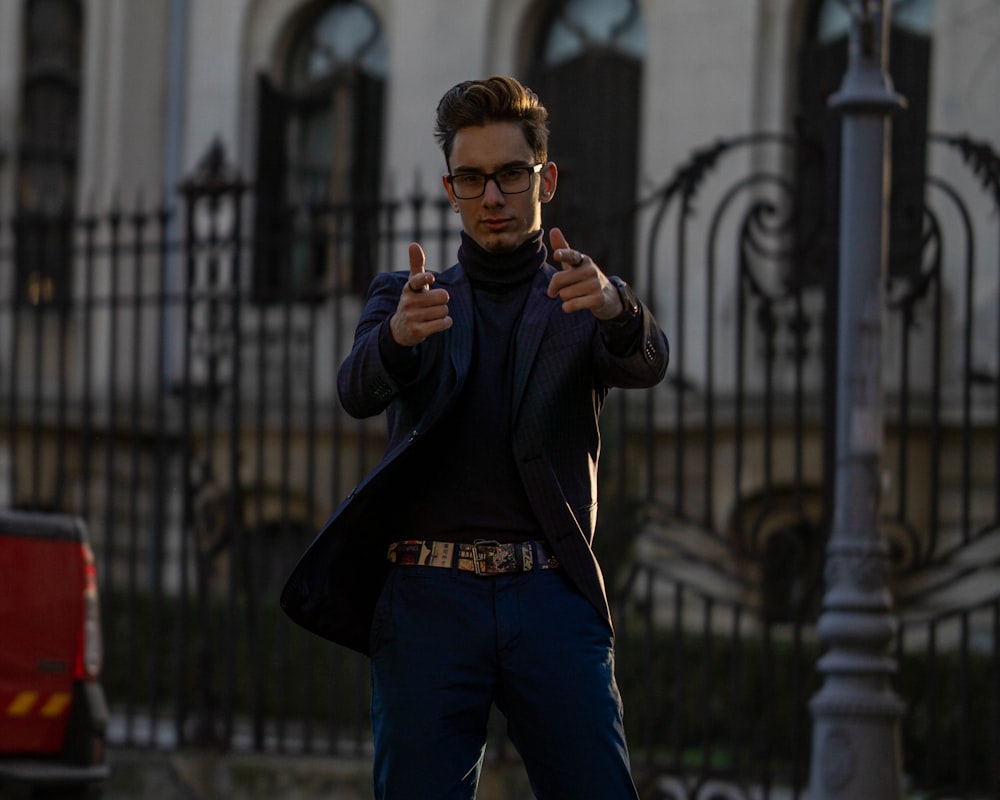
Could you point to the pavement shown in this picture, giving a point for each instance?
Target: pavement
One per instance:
(203, 775)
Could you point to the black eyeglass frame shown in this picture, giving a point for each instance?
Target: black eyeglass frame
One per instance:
(532, 169)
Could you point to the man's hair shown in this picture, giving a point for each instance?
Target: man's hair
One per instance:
(496, 99)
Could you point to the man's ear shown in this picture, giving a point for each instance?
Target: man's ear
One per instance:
(451, 194)
(549, 178)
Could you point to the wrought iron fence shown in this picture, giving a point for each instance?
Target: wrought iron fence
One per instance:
(179, 395)
(736, 462)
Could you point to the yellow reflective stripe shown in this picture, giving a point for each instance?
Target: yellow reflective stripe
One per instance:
(56, 704)
(22, 704)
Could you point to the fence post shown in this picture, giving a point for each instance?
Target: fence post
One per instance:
(213, 514)
(856, 715)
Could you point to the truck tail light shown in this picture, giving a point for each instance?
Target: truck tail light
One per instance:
(90, 652)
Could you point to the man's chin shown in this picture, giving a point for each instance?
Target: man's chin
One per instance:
(499, 243)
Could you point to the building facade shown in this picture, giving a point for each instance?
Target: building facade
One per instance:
(105, 102)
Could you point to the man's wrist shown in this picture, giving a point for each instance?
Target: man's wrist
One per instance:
(629, 304)
(400, 360)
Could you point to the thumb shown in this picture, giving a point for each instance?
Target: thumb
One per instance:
(417, 259)
(558, 240)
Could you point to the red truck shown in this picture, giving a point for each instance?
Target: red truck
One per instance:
(53, 714)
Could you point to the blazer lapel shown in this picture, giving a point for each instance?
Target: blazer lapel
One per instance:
(534, 320)
(450, 352)
(462, 331)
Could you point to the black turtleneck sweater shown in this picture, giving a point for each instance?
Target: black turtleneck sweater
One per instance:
(477, 490)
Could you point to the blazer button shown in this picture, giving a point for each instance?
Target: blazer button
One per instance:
(381, 390)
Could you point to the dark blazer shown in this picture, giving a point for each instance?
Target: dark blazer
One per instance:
(564, 369)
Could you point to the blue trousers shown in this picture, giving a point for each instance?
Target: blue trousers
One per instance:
(447, 645)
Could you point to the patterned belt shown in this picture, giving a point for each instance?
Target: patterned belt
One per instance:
(484, 557)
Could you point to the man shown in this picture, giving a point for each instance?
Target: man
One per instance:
(462, 563)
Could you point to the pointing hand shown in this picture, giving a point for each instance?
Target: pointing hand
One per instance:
(421, 311)
(581, 284)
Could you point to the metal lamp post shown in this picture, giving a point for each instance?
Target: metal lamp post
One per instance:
(856, 714)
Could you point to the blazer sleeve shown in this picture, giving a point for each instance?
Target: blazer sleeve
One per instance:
(636, 364)
(365, 383)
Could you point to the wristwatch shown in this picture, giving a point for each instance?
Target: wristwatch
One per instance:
(630, 306)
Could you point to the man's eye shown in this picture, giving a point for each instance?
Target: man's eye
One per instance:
(468, 180)
(512, 174)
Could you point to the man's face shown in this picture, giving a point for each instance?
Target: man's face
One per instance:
(499, 222)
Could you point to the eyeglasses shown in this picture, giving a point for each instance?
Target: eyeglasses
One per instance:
(510, 180)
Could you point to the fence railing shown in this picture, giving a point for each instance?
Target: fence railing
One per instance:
(174, 385)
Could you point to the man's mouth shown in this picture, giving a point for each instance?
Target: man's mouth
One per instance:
(496, 223)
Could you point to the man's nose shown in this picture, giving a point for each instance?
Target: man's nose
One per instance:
(491, 194)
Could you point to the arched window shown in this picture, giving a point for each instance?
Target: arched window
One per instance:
(588, 71)
(319, 154)
(822, 63)
(47, 150)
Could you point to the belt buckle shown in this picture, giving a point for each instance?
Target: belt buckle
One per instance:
(480, 558)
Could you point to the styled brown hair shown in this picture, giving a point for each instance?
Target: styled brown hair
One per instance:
(496, 99)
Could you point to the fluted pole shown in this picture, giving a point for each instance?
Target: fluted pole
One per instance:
(856, 714)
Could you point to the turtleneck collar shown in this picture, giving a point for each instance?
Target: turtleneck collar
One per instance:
(502, 270)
